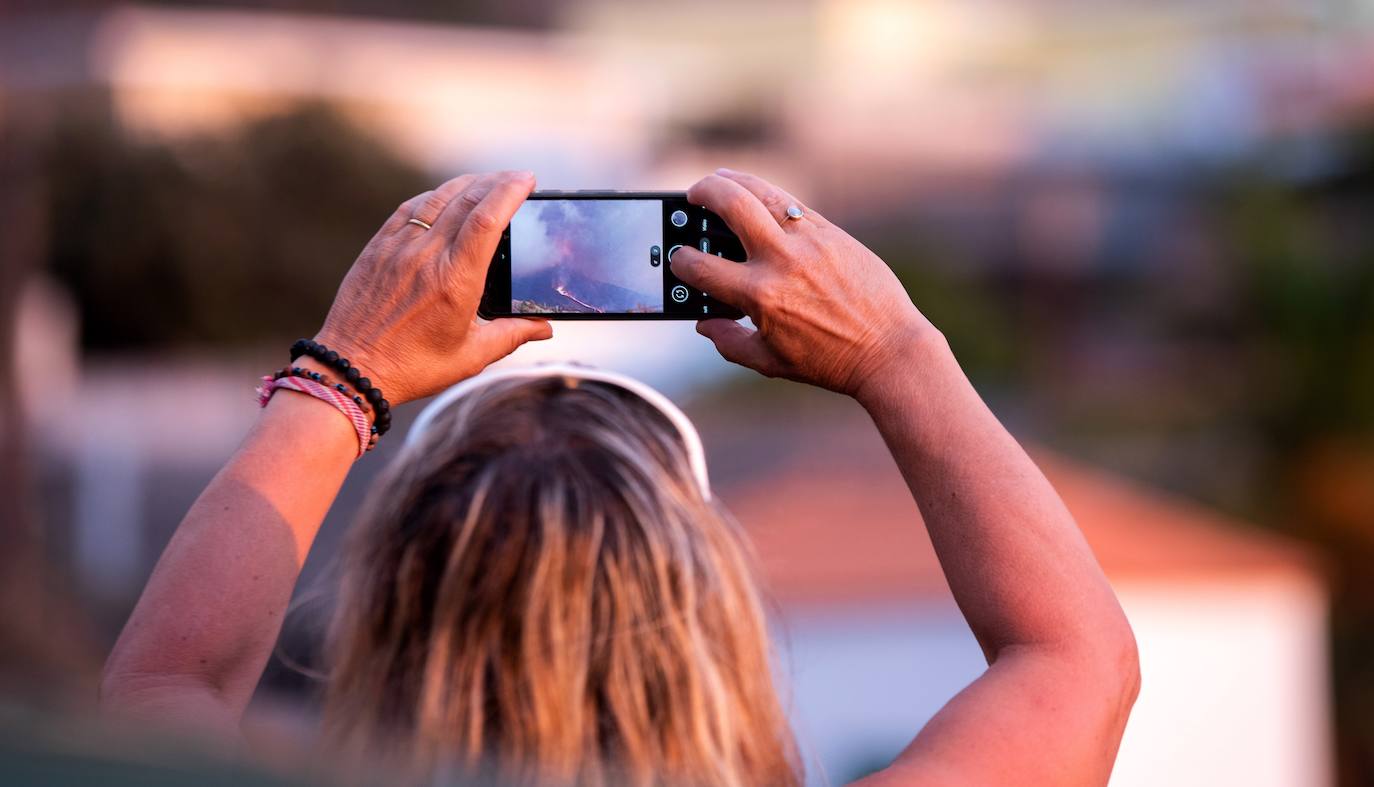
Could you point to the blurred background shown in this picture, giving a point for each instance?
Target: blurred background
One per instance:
(1147, 229)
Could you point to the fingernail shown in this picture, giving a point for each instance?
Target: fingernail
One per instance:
(725, 171)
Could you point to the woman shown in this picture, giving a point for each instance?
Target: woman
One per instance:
(542, 583)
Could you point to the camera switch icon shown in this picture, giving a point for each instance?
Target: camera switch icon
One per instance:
(678, 293)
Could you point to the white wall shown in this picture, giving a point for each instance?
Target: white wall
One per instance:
(1234, 684)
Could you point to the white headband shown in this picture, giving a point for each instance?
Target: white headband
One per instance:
(696, 456)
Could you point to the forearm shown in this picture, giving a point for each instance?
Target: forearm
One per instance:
(1016, 562)
(213, 608)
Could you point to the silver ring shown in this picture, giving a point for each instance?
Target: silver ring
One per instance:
(419, 223)
(794, 212)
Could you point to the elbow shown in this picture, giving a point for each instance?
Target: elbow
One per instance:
(1113, 659)
(1126, 659)
(1103, 663)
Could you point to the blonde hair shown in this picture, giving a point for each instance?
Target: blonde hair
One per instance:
(540, 587)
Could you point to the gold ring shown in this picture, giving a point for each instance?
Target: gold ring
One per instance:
(419, 223)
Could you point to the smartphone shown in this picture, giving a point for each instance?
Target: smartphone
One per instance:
(603, 255)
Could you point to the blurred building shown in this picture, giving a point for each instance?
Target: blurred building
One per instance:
(1230, 621)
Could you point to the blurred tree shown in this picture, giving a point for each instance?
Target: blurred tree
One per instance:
(46, 653)
(521, 13)
(214, 240)
(1306, 262)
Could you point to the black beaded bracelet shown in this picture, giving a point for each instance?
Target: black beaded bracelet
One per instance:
(381, 423)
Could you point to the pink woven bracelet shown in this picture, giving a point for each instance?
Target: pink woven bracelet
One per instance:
(341, 401)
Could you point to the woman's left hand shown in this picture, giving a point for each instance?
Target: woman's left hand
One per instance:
(406, 312)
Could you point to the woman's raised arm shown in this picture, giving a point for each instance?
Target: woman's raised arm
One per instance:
(1063, 671)
(197, 642)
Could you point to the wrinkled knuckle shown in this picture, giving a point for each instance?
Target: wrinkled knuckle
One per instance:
(469, 200)
(738, 203)
(484, 220)
(776, 204)
(432, 206)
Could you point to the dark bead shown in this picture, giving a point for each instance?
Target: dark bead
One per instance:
(359, 400)
(374, 395)
(331, 357)
(353, 376)
(383, 416)
(374, 429)
(315, 376)
(344, 364)
(384, 406)
(363, 384)
(340, 388)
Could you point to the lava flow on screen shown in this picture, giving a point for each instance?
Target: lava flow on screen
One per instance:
(587, 256)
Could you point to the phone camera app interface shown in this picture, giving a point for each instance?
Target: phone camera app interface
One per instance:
(587, 256)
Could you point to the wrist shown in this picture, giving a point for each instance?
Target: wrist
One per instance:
(312, 420)
(360, 355)
(351, 380)
(909, 357)
(314, 374)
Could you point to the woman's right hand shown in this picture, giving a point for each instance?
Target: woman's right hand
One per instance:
(406, 313)
(828, 311)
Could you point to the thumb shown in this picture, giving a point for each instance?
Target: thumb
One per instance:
(738, 344)
(499, 338)
(726, 280)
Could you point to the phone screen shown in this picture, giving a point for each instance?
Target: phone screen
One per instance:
(604, 255)
(587, 257)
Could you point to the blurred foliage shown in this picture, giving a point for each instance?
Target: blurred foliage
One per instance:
(222, 240)
(522, 13)
(1308, 318)
(506, 13)
(970, 311)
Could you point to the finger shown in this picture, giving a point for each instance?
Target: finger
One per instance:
(428, 206)
(738, 344)
(481, 230)
(404, 212)
(448, 223)
(775, 199)
(742, 211)
(499, 338)
(726, 281)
